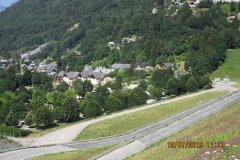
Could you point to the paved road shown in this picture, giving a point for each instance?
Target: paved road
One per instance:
(68, 134)
(162, 133)
(142, 138)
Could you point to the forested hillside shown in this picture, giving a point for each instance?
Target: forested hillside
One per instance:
(30, 23)
(202, 37)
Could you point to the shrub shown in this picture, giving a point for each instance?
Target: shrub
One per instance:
(11, 119)
(12, 131)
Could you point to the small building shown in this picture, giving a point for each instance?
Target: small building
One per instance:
(70, 77)
(86, 73)
(154, 10)
(46, 68)
(192, 4)
(75, 26)
(143, 66)
(20, 123)
(59, 76)
(96, 78)
(166, 65)
(111, 44)
(32, 66)
(3, 63)
(53, 74)
(231, 17)
(174, 14)
(107, 79)
(120, 66)
(132, 86)
(128, 40)
(101, 69)
(77, 54)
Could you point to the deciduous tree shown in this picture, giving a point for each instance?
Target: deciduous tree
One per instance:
(43, 117)
(192, 85)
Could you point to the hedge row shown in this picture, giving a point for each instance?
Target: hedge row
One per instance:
(12, 131)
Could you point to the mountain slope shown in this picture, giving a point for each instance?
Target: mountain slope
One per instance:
(88, 25)
(30, 23)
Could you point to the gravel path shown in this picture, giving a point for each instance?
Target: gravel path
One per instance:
(66, 135)
(6, 144)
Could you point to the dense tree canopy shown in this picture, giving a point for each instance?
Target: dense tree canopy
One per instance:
(70, 109)
(82, 87)
(192, 85)
(113, 104)
(90, 107)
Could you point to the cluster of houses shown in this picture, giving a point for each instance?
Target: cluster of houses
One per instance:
(48, 68)
(97, 76)
(40, 67)
(100, 75)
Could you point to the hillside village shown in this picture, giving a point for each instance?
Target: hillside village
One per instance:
(99, 75)
(109, 68)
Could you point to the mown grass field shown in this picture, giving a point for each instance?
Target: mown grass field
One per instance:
(231, 67)
(74, 155)
(223, 126)
(126, 123)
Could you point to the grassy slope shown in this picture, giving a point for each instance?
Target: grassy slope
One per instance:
(139, 119)
(223, 126)
(74, 155)
(231, 68)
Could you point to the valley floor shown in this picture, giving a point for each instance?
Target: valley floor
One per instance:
(68, 134)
